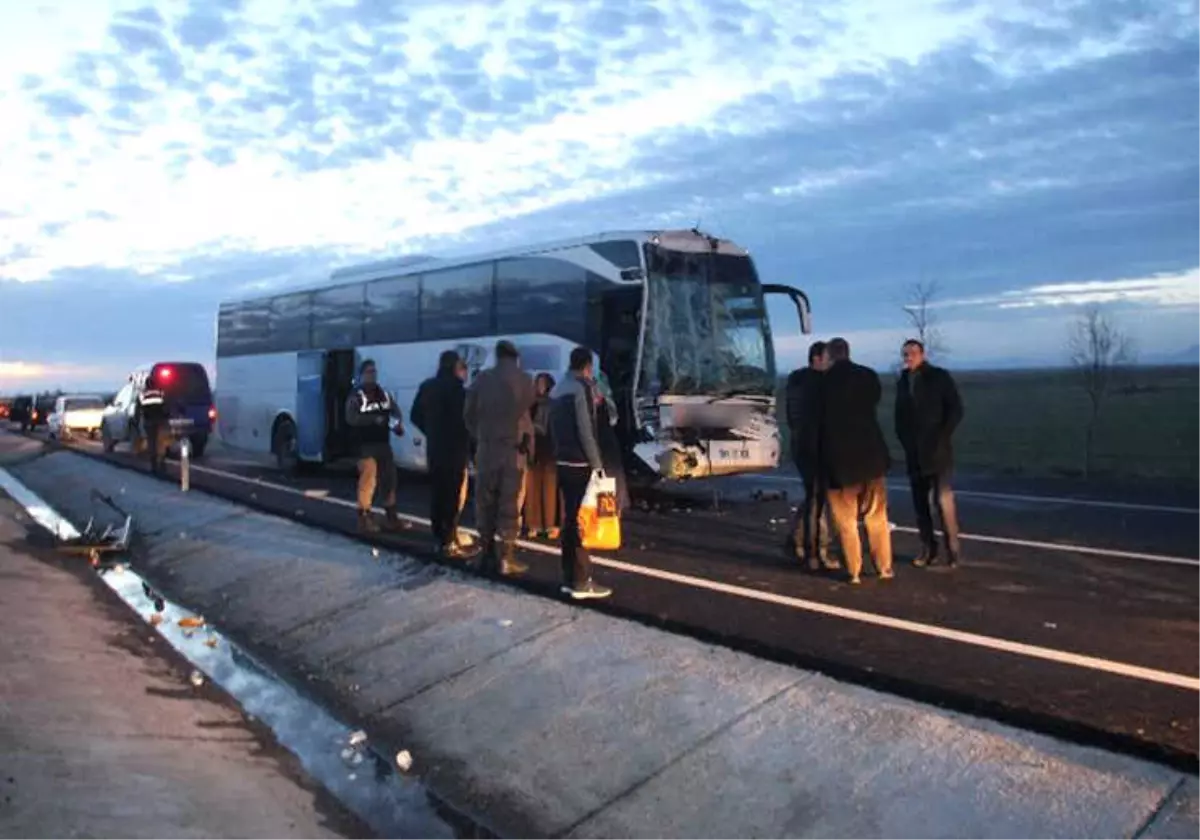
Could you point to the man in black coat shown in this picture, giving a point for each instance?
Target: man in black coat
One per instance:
(437, 411)
(928, 410)
(854, 460)
(809, 540)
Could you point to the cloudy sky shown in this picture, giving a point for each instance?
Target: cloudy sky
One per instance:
(1028, 157)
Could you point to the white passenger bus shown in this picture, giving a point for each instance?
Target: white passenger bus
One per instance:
(676, 319)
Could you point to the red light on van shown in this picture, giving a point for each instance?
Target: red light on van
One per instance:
(164, 373)
(212, 413)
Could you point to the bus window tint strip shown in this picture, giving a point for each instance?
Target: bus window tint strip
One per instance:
(538, 292)
(457, 302)
(393, 310)
(337, 316)
(512, 296)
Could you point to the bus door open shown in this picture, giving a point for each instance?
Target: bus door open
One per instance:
(310, 405)
(341, 366)
(323, 382)
(621, 315)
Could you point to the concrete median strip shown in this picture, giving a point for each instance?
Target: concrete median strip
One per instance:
(539, 719)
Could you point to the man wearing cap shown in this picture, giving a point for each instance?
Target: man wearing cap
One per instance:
(437, 411)
(499, 419)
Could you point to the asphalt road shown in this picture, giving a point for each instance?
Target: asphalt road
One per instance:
(1079, 619)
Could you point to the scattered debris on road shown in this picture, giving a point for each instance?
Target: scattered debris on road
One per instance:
(192, 621)
(358, 738)
(211, 641)
(197, 679)
(156, 619)
(404, 761)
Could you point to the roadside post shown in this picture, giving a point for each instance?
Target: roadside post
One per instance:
(185, 463)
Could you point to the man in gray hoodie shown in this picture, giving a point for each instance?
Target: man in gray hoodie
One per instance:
(577, 453)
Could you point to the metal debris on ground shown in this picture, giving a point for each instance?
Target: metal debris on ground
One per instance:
(404, 761)
(191, 621)
(357, 738)
(156, 619)
(93, 541)
(197, 679)
(211, 641)
(375, 553)
(505, 622)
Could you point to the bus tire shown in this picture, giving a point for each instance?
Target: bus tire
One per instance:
(106, 441)
(283, 445)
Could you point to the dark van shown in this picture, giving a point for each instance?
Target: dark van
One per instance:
(189, 402)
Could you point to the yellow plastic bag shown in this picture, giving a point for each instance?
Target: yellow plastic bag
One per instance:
(599, 522)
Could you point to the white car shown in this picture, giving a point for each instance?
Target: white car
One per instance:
(72, 415)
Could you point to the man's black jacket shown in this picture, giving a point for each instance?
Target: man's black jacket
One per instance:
(927, 414)
(803, 409)
(853, 450)
(437, 411)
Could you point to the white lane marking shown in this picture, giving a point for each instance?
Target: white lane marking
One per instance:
(989, 642)
(1012, 541)
(1072, 548)
(1080, 549)
(1012, 497)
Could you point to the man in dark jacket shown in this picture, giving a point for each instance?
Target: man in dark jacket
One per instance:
(498, 418)
(152, 416)
(437, 411)
(374, 416)
(854, 459)
(577, 452)
(928, 410)
(809, 540)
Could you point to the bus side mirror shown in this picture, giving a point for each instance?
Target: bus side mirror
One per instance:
(799, 300)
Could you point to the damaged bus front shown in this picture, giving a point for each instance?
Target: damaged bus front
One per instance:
(704, 394)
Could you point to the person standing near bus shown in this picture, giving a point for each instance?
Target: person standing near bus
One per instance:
(152, 420)
(855, 460)
(809, 540)
(370, 411)
(573, 425)
(437, 411)
(498, 418)
(928, 410)
(541, 492)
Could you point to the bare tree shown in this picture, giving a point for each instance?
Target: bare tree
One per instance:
(922, 315)
(1099, 351)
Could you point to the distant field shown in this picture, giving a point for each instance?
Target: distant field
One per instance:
(1032, 422)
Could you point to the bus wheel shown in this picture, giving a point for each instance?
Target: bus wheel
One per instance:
(106, 441)
(283, 445)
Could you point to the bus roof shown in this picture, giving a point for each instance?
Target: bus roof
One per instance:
(678, 239)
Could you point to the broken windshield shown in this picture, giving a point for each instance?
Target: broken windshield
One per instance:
(706, 326)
